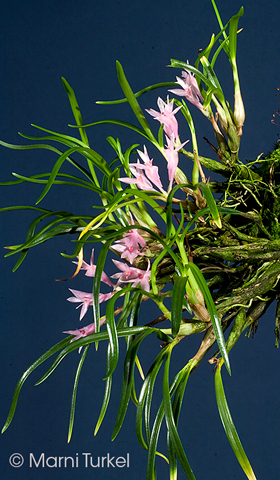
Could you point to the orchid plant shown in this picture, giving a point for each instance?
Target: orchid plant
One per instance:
(216, 258)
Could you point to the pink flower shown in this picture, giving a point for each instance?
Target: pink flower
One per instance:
(166, 115)
(132, 274)
(85, 331)
(126, 271)
(90, 270)
(86, 300)
(128, 248)
(103, 297)
(171, 153)
(190, 89)
(150, 170)
(144, 173)
(82, 332)
(134, 234)
(140, 179)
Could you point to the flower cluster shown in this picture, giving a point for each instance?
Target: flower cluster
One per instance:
(145, 177)
(128, 246)
(146, 174)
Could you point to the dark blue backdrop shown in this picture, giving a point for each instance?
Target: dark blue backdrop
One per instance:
(81, 40)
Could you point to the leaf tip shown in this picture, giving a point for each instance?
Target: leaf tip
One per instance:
(4, 429)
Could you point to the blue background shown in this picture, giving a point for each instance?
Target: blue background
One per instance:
(81, 41)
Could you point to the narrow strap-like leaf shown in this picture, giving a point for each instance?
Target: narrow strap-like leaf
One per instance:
(96, 283)
(212, 312)
(174, 436)
(229, 427)
(178, 292)
(75, 109)
(172, 458)
(116, 122)
(137, 94)
(157, 425)
(74, 393)
(145, 401)
(113, 339)
(211, 203)
(26, 374)
(107, 393)
(127, 383)
(233, 24)
(133, 102)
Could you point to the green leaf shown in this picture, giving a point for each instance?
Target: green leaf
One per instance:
(171, 425)
(41, 180)
(95, 337)
(91, 156)
(75, 109)
(55, 137)
(145, 400)
(133, 102)
(141, 92)
(113, 339)
(107, 393)
(211, 203)
(212, 312)
(29, 147)
(116, 122)
(157, 425)
(25, 375)
(50, 230)
(96, 289)
(179, 395)
(229, 427)
(127, 383)
(179, 290)
(214, 86)
(74, 392)
(172, 459)
(233, 24)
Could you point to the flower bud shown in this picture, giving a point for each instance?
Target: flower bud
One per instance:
(239, 113)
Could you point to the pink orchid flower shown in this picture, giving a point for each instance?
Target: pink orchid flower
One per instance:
(151, 171)
(140, 179)
(85, 331)
(84, 297)
(82, 332)
(189, 90)
(132, 274)
(86, 300)
(166, 115)
(90, 270)
(134, 234)
(128, 248)
(171, 152)
(126, 271)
